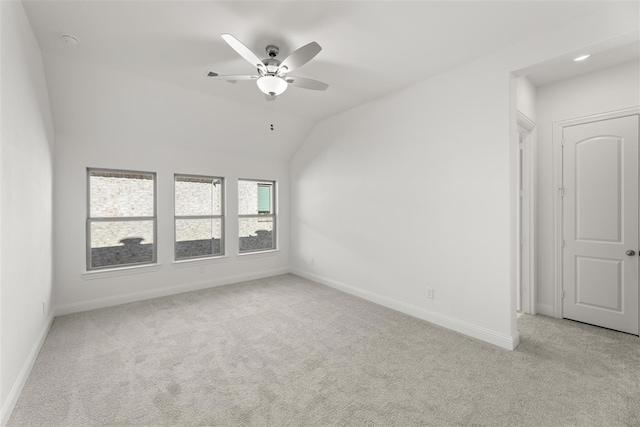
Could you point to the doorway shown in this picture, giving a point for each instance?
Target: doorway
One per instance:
(598, 217)
(552, 93)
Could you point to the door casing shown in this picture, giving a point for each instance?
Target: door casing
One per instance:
(526, 244)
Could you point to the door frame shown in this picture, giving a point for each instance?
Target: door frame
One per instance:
(526, 244)
(558, 186)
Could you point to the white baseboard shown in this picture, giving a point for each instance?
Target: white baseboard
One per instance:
(545, 309)
(14, 394)
(492, 337)
(162, 292)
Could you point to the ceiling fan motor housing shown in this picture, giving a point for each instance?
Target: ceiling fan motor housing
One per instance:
(271, 66)
(272, 51)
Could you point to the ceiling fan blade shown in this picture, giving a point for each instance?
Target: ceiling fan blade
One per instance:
(300, 57)
(270, 97)
(231, 78)
(243, 51)
(306, 83)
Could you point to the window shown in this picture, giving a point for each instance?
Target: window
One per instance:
(199, 220)
(121, 218)
(256, 208)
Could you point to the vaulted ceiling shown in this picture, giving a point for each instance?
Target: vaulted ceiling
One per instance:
(370, 49)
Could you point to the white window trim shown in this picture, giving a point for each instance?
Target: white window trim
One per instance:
(273, 216)
(221, 216)
(120, 271)
(258, 254)
(90, 219)
(192, 262)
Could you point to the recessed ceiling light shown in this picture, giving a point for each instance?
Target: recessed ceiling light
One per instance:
(582, 58)
(68, 38)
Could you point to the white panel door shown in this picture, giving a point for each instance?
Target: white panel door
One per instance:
(600, 223)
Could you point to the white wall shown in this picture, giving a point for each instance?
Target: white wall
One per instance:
(413, 191)
(132, 124)
(526, 97)
(417, 189)
(607, 90)
(26, 177)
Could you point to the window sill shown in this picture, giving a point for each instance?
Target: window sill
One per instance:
(120, 271)
(184, 263)
(258, 254)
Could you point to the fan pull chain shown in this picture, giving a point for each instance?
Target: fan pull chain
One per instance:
(271, 118)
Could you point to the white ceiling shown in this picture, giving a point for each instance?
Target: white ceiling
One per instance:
(565, 67)
(370, 48)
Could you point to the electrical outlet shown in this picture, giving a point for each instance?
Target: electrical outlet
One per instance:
(201, 269)
(430, 293)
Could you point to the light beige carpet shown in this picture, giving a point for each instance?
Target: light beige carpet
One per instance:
(285, 351)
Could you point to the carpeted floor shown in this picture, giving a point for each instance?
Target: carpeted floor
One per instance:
(285, 351)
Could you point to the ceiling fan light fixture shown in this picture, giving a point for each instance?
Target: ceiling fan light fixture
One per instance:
(272, 85)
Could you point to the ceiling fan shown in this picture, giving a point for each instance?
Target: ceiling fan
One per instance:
(272, 78)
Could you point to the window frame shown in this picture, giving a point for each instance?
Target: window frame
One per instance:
(90, 220)
(223, 240)
(273, 215)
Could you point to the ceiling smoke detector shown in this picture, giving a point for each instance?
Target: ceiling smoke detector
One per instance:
(68, 38)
